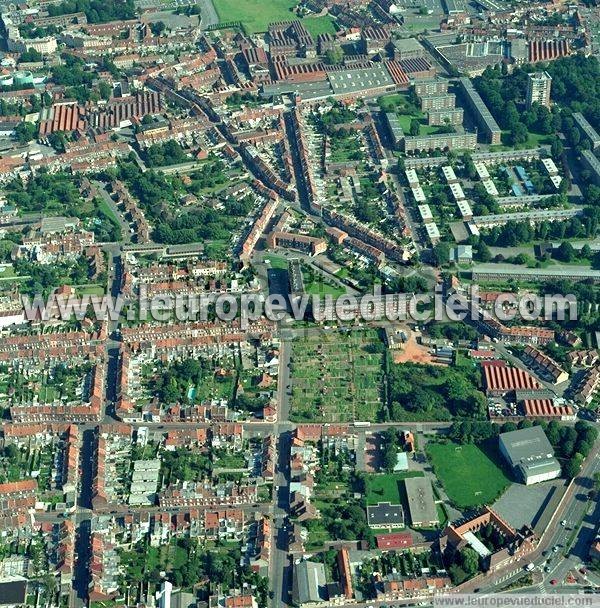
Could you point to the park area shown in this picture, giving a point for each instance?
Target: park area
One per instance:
(472, 474)
(256, 15)
(337, 376)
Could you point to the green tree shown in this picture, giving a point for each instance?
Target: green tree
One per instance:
(334, 55)
(25, 132)
(415, 127)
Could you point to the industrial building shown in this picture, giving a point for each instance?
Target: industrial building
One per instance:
(530, 454)
(407, 48)
(309, 585)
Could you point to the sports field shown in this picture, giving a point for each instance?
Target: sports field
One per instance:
(472, 475)
(257, 14)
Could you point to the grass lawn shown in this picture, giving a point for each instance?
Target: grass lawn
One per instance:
(534, 140)
(319, 25)
(317, 534)
(229, 460)
(276, 261)
(90, 290)
(324, 289)
(254, 14)
(106, 209)
(388, 487)
(472, 474)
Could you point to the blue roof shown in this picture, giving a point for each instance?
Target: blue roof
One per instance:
(521, 173)
(516, 190)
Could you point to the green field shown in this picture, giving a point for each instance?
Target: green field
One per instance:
(276, 261)
(388, 488)
(323, 24)
(472, 474)
(323, 289)
(254, 14)
(534, 140)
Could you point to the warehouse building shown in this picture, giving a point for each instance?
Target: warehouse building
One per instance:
(309, 586)
(407, 48)
(530, 454)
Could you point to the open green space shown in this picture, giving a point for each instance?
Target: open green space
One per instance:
(388, 487)
(276, 261)
(534, 140)
(472, 474)
(254, 14)
(319, 24)
(323, 289)
(337, 377)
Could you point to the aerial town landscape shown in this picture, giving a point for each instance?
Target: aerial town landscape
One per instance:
(298, 152)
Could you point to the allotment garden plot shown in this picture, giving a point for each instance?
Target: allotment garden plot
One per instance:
(337, 377)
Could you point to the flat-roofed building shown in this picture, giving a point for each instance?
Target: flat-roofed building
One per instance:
(591, 162)
(482, 116)
(588, 131)
(419, 194)
(394, 128)
(530, 454)
(385, 515)
(421, 503)
(447, 116)
(425, 213)
(433, 233)
(464, 208)
(490, 187)
(449, 174)
(438, 102)
(412, 178)
(407, 48)
(435, 86)
(457, 191)
(538, 89)
(441, 141)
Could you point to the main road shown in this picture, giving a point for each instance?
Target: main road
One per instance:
(552, 546)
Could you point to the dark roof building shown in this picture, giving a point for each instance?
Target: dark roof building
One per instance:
(13, 592)
(385, 515)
